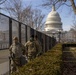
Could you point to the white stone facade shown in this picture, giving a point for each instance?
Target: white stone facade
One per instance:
(53, 24)
(53, 21)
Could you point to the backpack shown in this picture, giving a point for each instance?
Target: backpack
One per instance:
(23, 60)
(31, 47)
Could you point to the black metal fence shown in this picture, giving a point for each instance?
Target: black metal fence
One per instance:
(10, 28)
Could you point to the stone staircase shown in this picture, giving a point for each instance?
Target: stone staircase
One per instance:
(69, 61)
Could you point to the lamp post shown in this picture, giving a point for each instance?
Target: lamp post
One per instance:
(59, 36)
(53, 33)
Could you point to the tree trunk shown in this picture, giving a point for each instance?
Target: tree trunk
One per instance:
(73, 6)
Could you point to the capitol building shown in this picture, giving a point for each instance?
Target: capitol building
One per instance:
(53, 28)
(53, 21)
(53, 24)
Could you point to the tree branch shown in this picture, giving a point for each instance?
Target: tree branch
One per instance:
(67, 4)
(73, 5)
(2, 2)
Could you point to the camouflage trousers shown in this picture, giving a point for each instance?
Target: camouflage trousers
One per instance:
(16, 64)
(31, 56)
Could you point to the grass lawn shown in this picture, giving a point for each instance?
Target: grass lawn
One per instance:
(47, 64)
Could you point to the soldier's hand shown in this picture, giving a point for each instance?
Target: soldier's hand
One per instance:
(37, 55)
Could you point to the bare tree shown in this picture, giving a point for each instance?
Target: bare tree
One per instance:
(58, 3)
(74, 26)
(38, 19)
(34, 18)
(28, 15)
(14, 8)
(74, 29)
(2, 1)
(73, 5)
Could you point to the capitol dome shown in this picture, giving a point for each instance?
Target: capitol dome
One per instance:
(53, 21)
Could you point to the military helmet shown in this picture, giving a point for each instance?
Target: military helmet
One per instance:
(32, 38)
(15, 38)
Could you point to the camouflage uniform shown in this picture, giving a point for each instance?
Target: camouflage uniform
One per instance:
(16, 50)
(31, 50)
(39, 47)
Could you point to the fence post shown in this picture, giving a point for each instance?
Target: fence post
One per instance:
(25, 33)
(19, 32)
(10, 31)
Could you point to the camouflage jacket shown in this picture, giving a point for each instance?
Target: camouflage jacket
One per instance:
(39, 47)
(30, 47)
(17, 49)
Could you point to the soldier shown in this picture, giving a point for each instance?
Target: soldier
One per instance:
(39, 46)
(16, 50)
(31, 48)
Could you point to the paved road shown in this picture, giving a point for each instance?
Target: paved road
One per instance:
(4, 55)
(4, 63)
(4, 68)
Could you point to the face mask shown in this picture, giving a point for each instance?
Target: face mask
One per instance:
(31, 39)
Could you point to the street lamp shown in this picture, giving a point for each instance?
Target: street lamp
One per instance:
(53, 33)
(59, 36)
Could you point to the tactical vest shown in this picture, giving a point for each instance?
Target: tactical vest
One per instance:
(17, 50)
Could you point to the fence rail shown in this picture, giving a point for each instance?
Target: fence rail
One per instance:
(10, 28)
